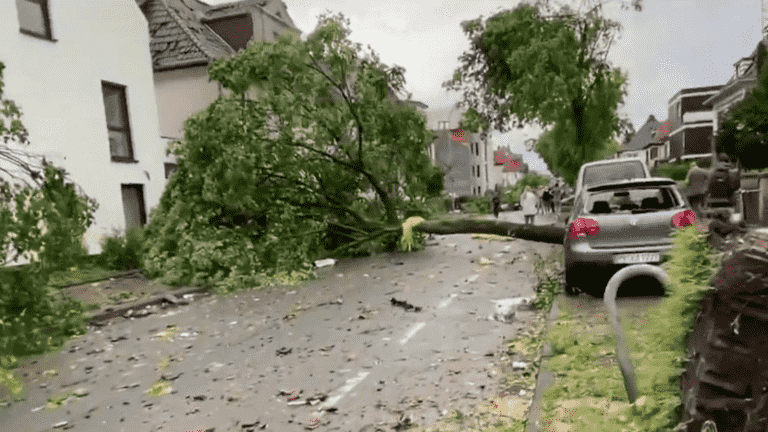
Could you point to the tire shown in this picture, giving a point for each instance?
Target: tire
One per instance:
(572, 282)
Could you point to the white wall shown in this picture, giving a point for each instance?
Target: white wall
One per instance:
(180, 94)
(696, 116)
(58, 86)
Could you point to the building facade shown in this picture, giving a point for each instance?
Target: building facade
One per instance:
(691, 123)
(186, 36)
(742, 82)
(82, 77)
(648, 143)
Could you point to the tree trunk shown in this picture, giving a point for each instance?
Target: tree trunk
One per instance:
(544, 234)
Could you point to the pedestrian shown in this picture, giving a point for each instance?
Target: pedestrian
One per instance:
(496, 203)
(547, 195)
(697, 185)
(528, 202)
(557, 196)
(539, 200)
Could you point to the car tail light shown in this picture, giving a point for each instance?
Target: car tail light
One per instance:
(683, 219)
(583, 227)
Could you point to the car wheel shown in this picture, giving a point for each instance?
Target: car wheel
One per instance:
(571, 283)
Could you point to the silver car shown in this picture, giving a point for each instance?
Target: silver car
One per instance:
(618, 223)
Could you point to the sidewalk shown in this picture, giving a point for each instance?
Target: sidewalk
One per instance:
(546, 378)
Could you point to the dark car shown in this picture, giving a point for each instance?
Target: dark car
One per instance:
(616, 224)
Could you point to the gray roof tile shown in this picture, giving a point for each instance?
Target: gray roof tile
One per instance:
(177, 37)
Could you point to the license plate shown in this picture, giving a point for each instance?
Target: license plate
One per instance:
(636, 258)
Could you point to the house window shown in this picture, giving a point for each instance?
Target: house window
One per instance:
(654, 153)
(477, 170)
(477, 149)
(34, 18)
(116, 110)
(170, 168)
(133, 205)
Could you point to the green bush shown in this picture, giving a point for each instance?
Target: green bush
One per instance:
(123, 252)
(657, 343)
(676, 171)
(477, 205)
(46, 225)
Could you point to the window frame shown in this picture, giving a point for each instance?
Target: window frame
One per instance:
(46, 11)
(131, 158)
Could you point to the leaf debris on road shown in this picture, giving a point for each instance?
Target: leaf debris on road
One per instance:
(405, 305)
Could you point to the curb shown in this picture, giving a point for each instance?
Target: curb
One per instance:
(544, 378)
(112, 312)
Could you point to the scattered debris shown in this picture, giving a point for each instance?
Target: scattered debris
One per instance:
(472, 278)
(325, 350)
(249, 427)
(485, 261)
(519, 365)
(405, 305)
(403, 422)
(171, 377)
(325, 262)
(338, 301)
(283, 351)
(172, 299)
(60, 424)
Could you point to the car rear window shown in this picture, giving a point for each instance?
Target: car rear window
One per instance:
(612, 172)
(632, 200)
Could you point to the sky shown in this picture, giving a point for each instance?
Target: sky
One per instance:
(670, 45)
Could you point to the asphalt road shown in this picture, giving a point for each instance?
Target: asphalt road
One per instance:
(252, 358)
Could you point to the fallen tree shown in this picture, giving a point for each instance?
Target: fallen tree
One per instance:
(538, 233)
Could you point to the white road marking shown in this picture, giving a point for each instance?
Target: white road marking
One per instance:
(340, 393)
(447, 301)
(412, 332)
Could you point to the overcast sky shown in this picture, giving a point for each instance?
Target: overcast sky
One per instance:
(670, 45)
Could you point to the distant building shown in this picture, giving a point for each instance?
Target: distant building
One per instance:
(82, 76)
(507, 169)
(648, 143)
(742, 82)
(691, 123)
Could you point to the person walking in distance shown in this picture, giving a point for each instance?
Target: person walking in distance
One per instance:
(557, 196)
(528, 202)
(547, 196)
(697, 185)
(496, 203)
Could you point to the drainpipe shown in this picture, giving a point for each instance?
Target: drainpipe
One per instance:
(625, 361)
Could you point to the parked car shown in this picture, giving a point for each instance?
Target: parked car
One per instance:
(592, 173)
(615, 224)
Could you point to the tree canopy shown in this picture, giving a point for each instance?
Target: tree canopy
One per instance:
(308, 153)
(743, 133)
(538, 64)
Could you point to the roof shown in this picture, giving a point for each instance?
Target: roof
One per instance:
(648, 133)
(707, 89)
(736, 82)
(179, 36)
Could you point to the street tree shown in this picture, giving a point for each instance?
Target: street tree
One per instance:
(546, 65)
(743, 132)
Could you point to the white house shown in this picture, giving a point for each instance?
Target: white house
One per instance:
(81, 73)
(186, 36)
